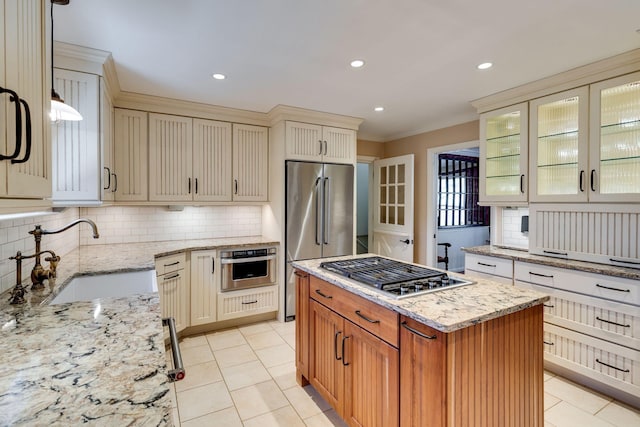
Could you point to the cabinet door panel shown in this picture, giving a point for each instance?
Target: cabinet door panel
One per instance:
(326, 373)
(204, 287)
(303, 141)
(170, 158)
(212, 160)
(75, 144)
(302, 324)
(107, 182)
(339, 145)
(250, 163)
(173, 289)
(131, 161)
(371, 379)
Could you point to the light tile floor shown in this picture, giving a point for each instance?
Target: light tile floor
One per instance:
(245, 376)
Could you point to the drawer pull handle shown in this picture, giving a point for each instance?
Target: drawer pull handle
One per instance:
(549, 276)
(418, 333)
(487, 265)
(335, 346)
(323, 295)
(548, 305)
(344, 359)
(556, 253)
(611, 366)
(548, 343)
(249, 302)
(366, 318)
(612, 289)
(173, 263)
(612, 323)
(173, 276)
(624, 261)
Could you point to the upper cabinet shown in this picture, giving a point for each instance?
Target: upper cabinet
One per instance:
(559, 138)
(212, 160)
(504, 150)
(76, 144)
(25, 171)
(250, 163)
(130, 155)
(614, 155)
(320, 143)
(108, 180)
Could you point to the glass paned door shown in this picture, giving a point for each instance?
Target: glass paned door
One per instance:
(559, 146)
(619, 134)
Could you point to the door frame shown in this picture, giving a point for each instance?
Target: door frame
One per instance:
(431, 242)
(369, 160)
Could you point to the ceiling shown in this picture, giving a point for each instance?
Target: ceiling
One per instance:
(421, 55)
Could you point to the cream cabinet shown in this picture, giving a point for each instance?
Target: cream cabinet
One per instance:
(130, 155)
(247, 302)
(504, 155)
(205, 282)
(309, 142)
(614, 155)
(24, 70)
(558, 149)
(250, 163)
(108, 176)
(76, 144)
(489, 267)
(173, 288)
(212, 160)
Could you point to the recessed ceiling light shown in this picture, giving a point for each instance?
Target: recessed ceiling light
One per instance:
(378, 109)
(485, 65)
(357, 63)
(219, 76)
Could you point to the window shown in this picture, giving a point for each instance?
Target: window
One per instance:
(458, 192)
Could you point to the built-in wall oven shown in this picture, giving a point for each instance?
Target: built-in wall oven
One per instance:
(244, 268)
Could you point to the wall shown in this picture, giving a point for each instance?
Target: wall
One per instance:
(14, 236)
(362, 199)
(418, 145)
(460, 238)
(370, 148)
(511, 234)
(124, 224)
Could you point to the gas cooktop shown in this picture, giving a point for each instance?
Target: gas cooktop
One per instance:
(395, 278)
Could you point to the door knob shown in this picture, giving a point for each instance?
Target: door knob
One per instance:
(406, 241)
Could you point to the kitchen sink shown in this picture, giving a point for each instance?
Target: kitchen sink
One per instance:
(87, 288)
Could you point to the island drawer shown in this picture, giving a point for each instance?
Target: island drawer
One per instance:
(170, 263)
(488, 265)
(609, 287)
(372, 317)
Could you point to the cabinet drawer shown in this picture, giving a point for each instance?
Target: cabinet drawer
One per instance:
(170, 263)
(370, 316)
(488, 265)
(232, 305)
(608, 320)
(597, 285)
(603, 361)
(492, 277)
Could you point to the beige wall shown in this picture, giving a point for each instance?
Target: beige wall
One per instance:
(418, 145)
(370, 148)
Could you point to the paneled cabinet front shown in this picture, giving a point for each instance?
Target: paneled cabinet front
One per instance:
(25, 171)
(316, 143)
(250, 163)
(173, 289)
(204, 287)
(131, 155)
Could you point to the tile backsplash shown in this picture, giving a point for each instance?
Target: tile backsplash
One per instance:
(14, 236)
(511, 222)
(124, 224)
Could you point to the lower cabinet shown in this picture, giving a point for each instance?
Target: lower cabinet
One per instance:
(248, 302)
(302, 327)
(355, 371)
(489, 267)
(205, 283)
(173, 288)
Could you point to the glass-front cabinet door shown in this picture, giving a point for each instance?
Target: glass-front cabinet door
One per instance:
(503, 156)
(558, 150)
(615, 140)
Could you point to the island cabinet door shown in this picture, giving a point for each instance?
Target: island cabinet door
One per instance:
(302, 327)
(371, 379)
(422, 375)
(326, 373)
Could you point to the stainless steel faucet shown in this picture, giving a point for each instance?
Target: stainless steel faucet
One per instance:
(39, 274)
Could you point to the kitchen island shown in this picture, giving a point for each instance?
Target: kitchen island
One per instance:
(470, 355)
(100, 362)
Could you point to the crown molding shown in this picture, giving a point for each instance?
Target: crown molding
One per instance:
(285, 112)
(156, 104)
(111, 77)
(614, 66)
(79, 58)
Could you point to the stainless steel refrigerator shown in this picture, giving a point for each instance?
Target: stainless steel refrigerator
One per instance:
(319, 216)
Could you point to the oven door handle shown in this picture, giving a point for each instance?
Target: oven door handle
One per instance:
(245, 260)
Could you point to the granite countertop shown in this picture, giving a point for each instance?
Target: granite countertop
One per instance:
(100, 362)
(524, 255)
(447, 310)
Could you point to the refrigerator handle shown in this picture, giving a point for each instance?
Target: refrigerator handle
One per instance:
(318, 213)
(327, 209)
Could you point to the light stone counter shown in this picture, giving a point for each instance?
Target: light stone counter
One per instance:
(523, 255)
(447, 310)
(101, 362)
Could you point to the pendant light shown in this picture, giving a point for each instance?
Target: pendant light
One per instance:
(60, 110)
